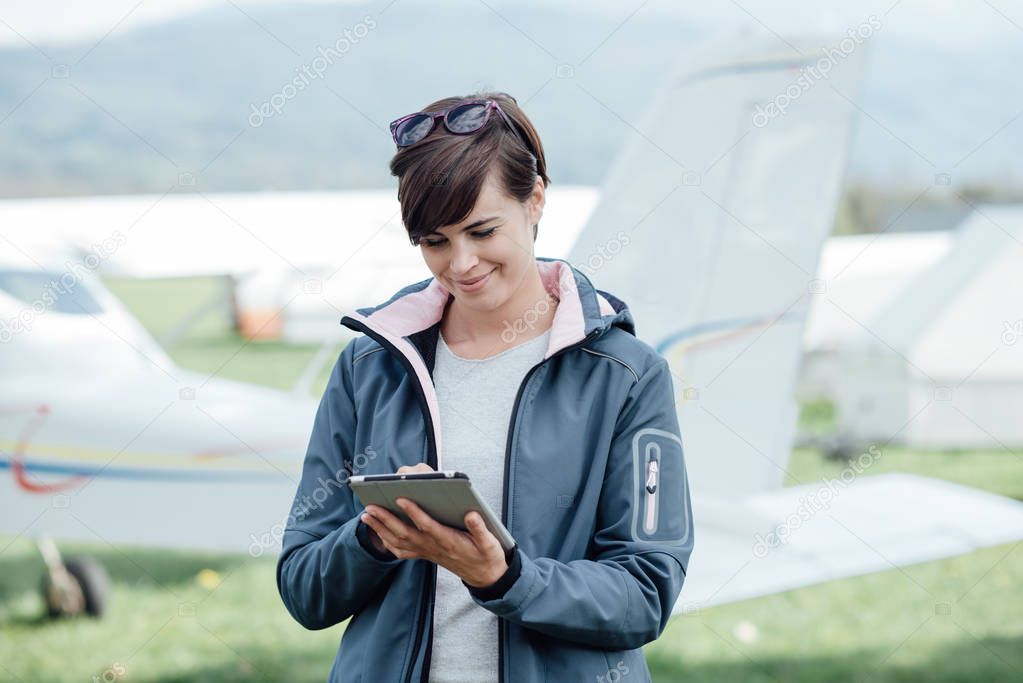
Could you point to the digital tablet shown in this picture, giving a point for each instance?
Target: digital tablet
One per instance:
(445, 496)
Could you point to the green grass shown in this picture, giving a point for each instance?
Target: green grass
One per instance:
(212, 347)
(890, 626)
(161, 624)
(959, 619)
(276, 364)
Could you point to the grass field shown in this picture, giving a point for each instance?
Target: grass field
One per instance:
(959, 619)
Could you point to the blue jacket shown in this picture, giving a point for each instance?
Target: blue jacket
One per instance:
(595, 494)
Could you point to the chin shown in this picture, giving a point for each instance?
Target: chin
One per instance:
(490, 301)
(481, 304)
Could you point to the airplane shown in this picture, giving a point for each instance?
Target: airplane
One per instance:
(104, 438)
(726, 211)
(709, 226)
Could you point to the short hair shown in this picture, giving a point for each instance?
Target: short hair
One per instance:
(440, 177)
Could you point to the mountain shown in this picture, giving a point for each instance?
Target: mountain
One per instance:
(172, 103)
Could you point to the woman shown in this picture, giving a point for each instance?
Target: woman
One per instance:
(561, 417)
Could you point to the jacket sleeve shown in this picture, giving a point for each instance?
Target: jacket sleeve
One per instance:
(328, 570)
(622, 598)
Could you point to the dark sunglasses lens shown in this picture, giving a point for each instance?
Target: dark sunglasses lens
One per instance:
(467, 118)
(413, 130)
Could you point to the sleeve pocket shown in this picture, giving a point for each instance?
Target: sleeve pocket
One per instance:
(660, 509)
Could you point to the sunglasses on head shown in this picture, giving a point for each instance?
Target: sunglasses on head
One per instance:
(463, 118)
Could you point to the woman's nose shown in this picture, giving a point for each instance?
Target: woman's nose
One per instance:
(463, 257)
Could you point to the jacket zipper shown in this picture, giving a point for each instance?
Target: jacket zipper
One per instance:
(427, 598)
(501, 630)
(652, 473)
(431, 456)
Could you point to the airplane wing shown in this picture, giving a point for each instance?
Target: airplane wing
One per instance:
(104, 439)
(710, 226)
(796, 536)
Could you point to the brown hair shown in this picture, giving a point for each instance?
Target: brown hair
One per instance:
(440, 177)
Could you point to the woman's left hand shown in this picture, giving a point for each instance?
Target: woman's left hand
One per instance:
(475, 556)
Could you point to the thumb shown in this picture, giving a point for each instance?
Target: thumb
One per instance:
(478, 530)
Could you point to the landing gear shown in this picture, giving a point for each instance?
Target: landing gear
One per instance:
(840, 449)
(73, 586)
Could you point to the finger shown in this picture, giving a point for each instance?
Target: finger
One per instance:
(404, 541)
(390, 541)
(478, 530)
(412, 541)
(434, 537)
(419, 517)
(397, 528)
(377, 512)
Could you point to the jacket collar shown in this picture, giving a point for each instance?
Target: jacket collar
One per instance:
(410, 321)
(582, 308)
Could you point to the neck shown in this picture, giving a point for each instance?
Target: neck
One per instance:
(528, 313)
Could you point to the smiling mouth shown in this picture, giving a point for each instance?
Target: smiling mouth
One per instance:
(473, 281)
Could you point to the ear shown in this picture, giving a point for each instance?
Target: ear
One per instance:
(537, 201)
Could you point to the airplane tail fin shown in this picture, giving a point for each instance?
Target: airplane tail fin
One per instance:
(709, 227)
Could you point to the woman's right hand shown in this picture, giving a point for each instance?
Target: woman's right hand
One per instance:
(404, 469)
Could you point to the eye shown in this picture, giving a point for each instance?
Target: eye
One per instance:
(481, 234)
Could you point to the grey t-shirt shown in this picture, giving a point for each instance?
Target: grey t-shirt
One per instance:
(475, 398)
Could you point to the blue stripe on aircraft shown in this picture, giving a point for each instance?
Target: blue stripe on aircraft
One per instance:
(711, 326)
(136, 473)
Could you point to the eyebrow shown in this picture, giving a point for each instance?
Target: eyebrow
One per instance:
(468, 227)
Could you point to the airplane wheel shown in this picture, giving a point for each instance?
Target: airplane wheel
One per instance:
(840, 449)
(53, 608)
(94, 582)
(91, 586)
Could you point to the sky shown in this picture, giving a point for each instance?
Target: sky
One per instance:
(964, 24)
(955, 55)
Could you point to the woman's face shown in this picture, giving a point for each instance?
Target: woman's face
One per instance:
(495, 241)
